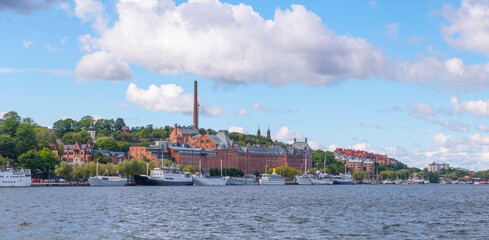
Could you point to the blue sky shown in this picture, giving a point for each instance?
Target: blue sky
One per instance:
(407, 79)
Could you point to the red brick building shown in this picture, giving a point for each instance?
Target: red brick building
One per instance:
(76, 154)
(188, 147)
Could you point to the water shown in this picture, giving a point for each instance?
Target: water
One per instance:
(246, 212)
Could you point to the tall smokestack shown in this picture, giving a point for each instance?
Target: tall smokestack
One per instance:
(196, 107)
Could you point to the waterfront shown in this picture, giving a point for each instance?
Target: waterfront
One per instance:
(246, 212)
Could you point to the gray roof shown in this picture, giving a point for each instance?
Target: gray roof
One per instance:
(188, 130)
(301, 145)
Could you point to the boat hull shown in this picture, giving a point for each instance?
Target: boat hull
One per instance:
(342, 182)
(145, 181)
(322, 182)
(94, 181)
(273, 182)
(301, 180)
(210, 181)
(242, 181)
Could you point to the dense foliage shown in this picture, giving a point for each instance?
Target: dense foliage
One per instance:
(285, 171)
(84, 171)
(245, 139)
(231, 172)
(332, 165)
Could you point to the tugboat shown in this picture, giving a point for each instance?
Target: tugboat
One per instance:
(10, 177)
(165, 176)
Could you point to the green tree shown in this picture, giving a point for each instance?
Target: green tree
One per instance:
(81, 171)
(106, 144)
(10, 123)
(119, 123)
(84, 124)
(26, 138)
(144, 144)
(285, 171)
(189, 169)
(33, 161)
(64, 170)
(8, 146)
(49, 158)
(76, 137)
(61, 127)
(123, 146)
(384, 175)
(433, 177)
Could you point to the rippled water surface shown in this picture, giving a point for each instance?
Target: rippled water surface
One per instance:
(246, 212)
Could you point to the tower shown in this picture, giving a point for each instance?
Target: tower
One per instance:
(258, 133)
(196, 107)
(268, 133)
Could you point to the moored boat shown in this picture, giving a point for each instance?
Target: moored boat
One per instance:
(10, 177)
(304, 179)
(344, 179)
(107, 181)
(242, 181)
(165, 176)
(200, 180)
(272, 179)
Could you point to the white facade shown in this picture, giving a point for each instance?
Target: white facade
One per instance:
(435, 167)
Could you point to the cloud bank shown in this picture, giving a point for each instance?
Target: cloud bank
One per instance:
(234, 44)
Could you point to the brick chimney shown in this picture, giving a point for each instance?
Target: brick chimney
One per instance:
(196, 107)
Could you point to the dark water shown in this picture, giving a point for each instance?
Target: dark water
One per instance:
(246, 212)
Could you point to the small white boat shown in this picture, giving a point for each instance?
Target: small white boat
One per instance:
(200, 180)
(107, 181)
(343, 179)
(322, 179)
(242, 181)
(272, 179)
(10, 177)
(304, 179)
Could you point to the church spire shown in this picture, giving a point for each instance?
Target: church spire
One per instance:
(268, 133)
(258, 133)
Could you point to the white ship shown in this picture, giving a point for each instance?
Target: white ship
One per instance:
(322, 179)
(242, 181)
(304, 179)
(343, 179)
(272, 179)
(107, 181)
(200, 180)
(165, 176)
(10, 177)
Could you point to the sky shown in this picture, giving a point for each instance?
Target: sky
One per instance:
(408, 79)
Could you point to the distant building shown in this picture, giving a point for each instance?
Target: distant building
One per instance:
(358, 164)
(258, 133)
(116, 157)
(125, 129)
(435, 167)
(77, 154)
(269, 136)
(54, 149)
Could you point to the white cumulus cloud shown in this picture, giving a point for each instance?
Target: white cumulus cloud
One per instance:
(284, 134)
(168, 97)
(237, 129)
(243, 112)
(478, 108)
(102, 65)
(467, 28)
(234, 44)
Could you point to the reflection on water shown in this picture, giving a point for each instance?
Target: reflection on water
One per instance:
(246, 212)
